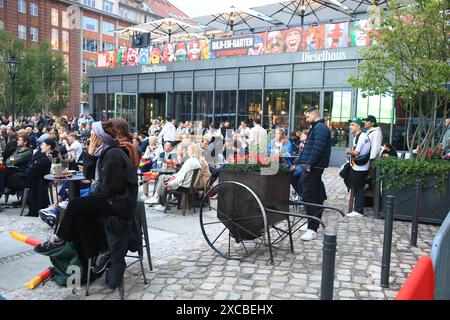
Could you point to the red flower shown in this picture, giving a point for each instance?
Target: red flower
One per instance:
(430, 152)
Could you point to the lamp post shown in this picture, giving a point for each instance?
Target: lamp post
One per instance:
(13, 65)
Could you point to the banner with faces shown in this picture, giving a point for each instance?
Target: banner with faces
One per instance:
(328, 36)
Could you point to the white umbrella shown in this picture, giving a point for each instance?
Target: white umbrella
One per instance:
(236, 19)
(306, 12)
(180, 37)
(168, 27)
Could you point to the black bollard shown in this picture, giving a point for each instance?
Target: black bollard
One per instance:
(387, 242)
(328, 264)
(415, 221)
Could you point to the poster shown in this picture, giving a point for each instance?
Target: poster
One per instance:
(181, 51)
(168, 54)
(235, 46)
(132, 57)
(121, 57)
(360, 33)
(111, 60)
(102, 58)
(206, 53)
(313, 38)
(275, 42)
(336, 35)
(194, 51)
(259, 45)
(155, 54)
(292, 39)
(144, 55)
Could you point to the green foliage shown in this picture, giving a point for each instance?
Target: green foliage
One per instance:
(42, 81)
(409, 62)
(398, 174)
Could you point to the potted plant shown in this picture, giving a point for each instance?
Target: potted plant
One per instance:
(410, 62)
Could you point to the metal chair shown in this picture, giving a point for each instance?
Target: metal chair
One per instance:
(142, 221)
(184, 195)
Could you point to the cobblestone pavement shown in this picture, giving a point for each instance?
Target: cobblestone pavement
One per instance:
(185, 267)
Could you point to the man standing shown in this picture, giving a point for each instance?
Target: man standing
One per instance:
(168, 132)
(244, 132)
(257, 141)
(375, 135)
(359, 168)
(315, 158)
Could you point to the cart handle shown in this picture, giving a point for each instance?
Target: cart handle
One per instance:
(298, 215)
(316, 205)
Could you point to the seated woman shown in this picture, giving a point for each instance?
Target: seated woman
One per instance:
(281, 146)
(182, 179)
(33, 177)
(114, 193)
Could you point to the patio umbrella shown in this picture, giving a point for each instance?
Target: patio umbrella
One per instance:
(168, 27)
(234, 19)
(180, 37)
(301, 12)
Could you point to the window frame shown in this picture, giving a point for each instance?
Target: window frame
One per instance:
(22, 4)
(34, 9)
(31, 34)
(85, 19)
(21, 32)
(111, 4)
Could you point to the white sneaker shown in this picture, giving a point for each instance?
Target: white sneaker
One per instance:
(309, 235)
(160, 207)
(304, 227)
(152, 200)
(354, 214)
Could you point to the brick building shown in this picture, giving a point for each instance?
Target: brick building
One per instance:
(49, 20)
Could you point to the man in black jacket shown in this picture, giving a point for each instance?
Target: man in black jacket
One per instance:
(315, 158)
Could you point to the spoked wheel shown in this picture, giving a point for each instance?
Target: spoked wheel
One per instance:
(235, 223)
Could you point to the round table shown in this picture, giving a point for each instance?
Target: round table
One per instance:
(74, 183)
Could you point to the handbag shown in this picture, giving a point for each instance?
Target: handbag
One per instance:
(363, 158)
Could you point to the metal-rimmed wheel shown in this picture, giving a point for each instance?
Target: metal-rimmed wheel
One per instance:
(234, 224)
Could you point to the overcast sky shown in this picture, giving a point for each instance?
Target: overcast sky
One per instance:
(203, 7)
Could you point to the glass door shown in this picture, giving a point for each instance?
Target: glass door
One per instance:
(151, 106)
(303, 101)
(126, 107)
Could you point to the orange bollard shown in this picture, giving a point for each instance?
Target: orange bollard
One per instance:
(23, 238)
(44, 275)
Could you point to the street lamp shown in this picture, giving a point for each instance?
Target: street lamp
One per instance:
(13, 66)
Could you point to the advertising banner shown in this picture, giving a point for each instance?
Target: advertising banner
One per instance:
(235, 46)
(102, 60)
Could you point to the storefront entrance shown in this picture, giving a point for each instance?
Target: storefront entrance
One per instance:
(151, 106)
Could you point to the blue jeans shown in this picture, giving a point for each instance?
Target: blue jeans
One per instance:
(295, 180)
(85, 189)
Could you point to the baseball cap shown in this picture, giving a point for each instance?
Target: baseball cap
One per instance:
(370, 118)
(357, 121)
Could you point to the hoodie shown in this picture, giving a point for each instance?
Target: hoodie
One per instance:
(376, 138)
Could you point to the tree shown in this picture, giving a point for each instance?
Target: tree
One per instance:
(42, 83)
(410, 62)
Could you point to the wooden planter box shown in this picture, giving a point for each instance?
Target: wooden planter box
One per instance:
(434, 208)
(272, 190)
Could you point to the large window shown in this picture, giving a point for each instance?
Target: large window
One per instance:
(2, 25)
(90, 24)
(90, 45)
(22, 32)
(126, 108)
(203, 105)
(336, 112)
(250, 106)
(65, 19)
(225, 109)
(88, 64)
(90, 3)
(1, 3)
(65, 41)
(55, 39)
(107, 28)
(108, 6)
(22, 6)
(277, 108)
(55, 17)
(107, 46)
(34, 34)
(303, 101)
(34, 9)
(181, 110)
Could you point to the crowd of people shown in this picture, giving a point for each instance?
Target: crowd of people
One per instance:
(116, 161)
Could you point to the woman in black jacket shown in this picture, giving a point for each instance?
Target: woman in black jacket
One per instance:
(114, 193)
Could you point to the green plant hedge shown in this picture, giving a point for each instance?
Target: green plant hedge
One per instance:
(398, 174)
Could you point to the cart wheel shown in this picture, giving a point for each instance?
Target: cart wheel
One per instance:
(236, 224)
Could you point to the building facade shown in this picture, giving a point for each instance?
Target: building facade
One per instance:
(77, 37)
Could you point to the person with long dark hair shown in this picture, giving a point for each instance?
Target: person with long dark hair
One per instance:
(114, 193)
